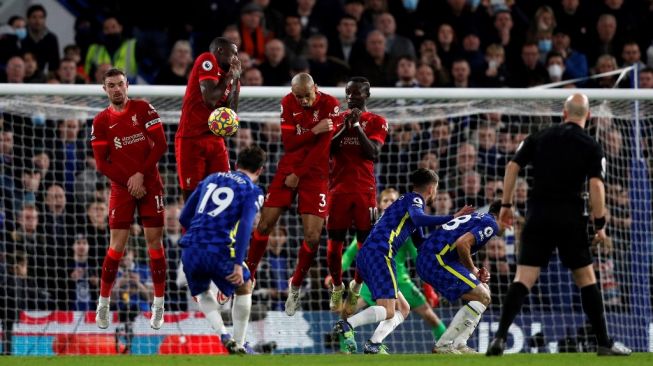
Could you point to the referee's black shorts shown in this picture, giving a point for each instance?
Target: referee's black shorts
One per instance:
(555, 227)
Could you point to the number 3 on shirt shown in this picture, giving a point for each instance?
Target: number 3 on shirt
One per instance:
(221, 197)
(322, 199)
(457, 221)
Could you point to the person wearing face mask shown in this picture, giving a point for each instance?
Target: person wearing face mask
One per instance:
(10, 36)
(555, 66)
(115, 49)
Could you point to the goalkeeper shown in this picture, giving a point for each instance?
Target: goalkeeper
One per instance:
(416, 299)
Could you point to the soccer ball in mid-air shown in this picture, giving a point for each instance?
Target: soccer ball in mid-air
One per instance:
(223, 122)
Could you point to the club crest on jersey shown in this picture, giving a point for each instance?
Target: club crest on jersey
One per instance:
(134, 120)
(363, 125)
(207, 65)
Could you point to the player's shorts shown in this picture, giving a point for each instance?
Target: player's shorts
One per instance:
(379, 272)
(122, 206)
(451, 279)
(203, 266)
(543, 233)
(411, 293)
(313, 195)
(346, 209)
(199, 156)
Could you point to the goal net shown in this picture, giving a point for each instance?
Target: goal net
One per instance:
(53, 208)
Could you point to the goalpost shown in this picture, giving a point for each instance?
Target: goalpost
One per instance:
(466, 135)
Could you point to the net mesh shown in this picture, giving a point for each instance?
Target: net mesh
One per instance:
(468, 142)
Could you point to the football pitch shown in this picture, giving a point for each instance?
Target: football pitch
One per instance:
(574, 359)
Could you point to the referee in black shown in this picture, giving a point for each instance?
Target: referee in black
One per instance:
(563, 157)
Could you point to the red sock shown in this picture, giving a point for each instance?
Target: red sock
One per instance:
(158, 269)
(334, 261)
(109, 271)
(357, 276)
(304, 263)
(256, 250)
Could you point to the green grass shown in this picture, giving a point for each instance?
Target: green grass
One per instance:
(575, 359)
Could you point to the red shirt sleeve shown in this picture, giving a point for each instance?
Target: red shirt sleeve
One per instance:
(208, 67)
(289, 137)
(101, 151)
(320, 150)
(378, 130)
(154, 130)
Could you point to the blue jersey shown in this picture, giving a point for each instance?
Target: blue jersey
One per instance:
(399, 221)
(441, 241)
(219, 215)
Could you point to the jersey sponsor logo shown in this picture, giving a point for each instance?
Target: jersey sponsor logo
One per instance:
(207, 65)
(364, 125)
(113, 125)
(153, 122)
(349, 140)
(119, 143)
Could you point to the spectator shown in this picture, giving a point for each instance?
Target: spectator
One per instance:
(521, 196)
(175, 296)
(496, 261)
(472, 52)
(356, 9)
(604, 64)
(605, 41)
(179, 65)
(530, 72)
(376, 64)
(326, 70)
(252, 32)
(430, 161)
(492, 191)
(457, 13)
(98, 77)
(11, 36)
(245, 60)
(395, 45)
(646, 78)
(575, 62)
(41, 160)
(488, 153)
(87, 180)
(19, 291)
(460, 74)
(131, 291)
(272, 18)
(443, 204)
(274, 271)
(469, 191)
(67, 72)
(605, 269)
(83, 277)
(275, 68)
(74, 52)
(496, 73)
(542, 26)
(97, 230)
(32, 72)
(253, 77)
(630, 55)
(69, 154)
(232, 33)
(27, 236)
(40, 40)
(448, 50)
(406, 73)
(15, 70)
(311, 20)
(440, 142)
(466, 160)
(555, 66)
(296, 44)
(30, 188)
(428, 55)
(346, 46)
(115, 49)
(297, 66)
(8, 170)
(425, 76)
(505, 34)
(574, 19)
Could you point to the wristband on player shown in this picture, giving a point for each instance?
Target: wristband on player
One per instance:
(506, 205)
(599, 223)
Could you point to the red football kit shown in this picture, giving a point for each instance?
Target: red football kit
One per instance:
(352, 184)
(305, 154)
(198, 151)
(125, 143)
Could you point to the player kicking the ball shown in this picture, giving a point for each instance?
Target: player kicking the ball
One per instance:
(444, 261)
(218, 218)
(376, 265)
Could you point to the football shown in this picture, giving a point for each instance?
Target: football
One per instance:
(223, 122)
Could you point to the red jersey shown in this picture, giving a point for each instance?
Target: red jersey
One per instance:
(305, 152)
(351, 171)
(134, 141)
(194, 112)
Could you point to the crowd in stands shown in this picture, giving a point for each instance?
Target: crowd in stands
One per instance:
(402, 43)
(53, 202)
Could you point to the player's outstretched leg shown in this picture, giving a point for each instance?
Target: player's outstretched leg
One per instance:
(209, 306)
(241, 308)
(158, 269)
(375, 344)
